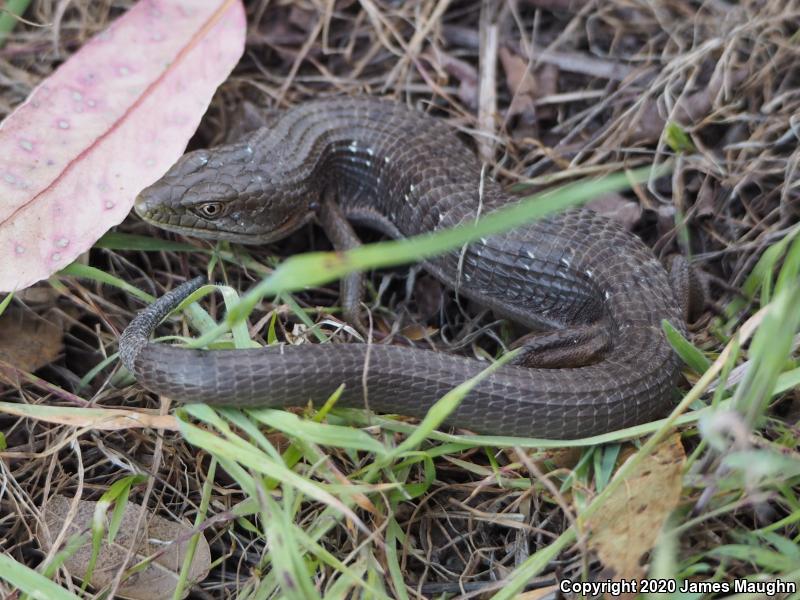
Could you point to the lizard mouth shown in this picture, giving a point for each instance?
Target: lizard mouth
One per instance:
(209, 230)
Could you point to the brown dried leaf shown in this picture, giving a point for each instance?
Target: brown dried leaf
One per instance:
(565, 458)
(520, 82)
(416, 332)
(159, 579)
(704, 204)
(107, 419)
(464, 72)
(42, 295)
(28, 341)
(631, 520)
(617, 208)
(690, 110)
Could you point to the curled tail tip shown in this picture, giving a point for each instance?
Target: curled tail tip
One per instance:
(137, 333)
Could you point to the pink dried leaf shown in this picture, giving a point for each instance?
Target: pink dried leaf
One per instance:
(107, 123)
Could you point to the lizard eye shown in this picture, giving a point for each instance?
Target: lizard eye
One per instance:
(210, 210)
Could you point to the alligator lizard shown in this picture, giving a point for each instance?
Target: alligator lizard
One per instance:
(596, 290)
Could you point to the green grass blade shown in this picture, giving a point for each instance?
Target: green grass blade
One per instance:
(5, 302)
(86, 272)
(31, 582)
(126, 241)
(191, 548)
(9, 17)
(241, 334)
(285, 555)
(688, 352)
(771, 346)
(260, 463)
(322, 434)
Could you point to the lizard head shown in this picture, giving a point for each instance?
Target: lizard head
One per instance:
(227, 193)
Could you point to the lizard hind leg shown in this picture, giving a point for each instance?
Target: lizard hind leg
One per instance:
(576, 346)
